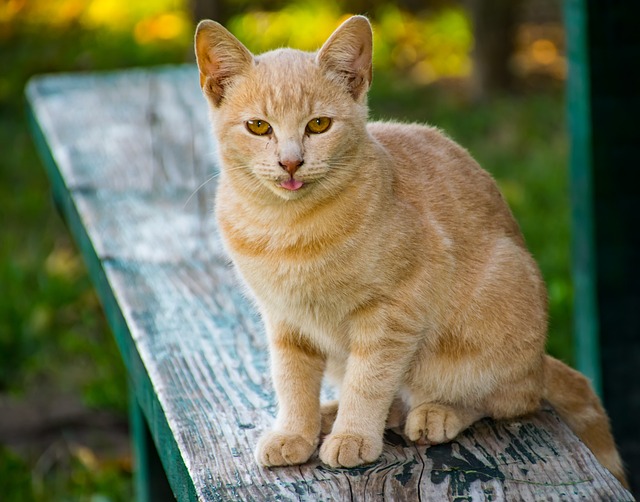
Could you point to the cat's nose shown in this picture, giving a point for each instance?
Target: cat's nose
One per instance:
(291, 165)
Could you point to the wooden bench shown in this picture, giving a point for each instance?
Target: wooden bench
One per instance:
(125, 152)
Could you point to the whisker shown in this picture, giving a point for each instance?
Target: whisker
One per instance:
(211, 178)
(200, 187)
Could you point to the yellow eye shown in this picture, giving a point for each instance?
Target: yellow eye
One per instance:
(259, 127)
(318, 125)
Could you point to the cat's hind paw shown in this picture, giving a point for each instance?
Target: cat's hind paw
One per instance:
(432, 423)
(282, 448)
(350, 450)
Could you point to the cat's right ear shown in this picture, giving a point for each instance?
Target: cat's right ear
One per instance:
(220, 56)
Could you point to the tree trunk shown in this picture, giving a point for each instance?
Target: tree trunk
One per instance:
(208, 9)
(494, 27)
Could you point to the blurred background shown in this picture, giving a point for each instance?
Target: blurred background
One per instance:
(491, 74)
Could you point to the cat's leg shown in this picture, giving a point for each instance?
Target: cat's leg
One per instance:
(439, 412)
(520, 395)
(397, 414)
(329, 412)
(375, 368)
(334, 375)
(297, 370)
(432, 423)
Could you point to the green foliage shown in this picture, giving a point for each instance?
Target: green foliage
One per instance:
(424, 48)
(302, 25)
(16, 478)
(63, 474)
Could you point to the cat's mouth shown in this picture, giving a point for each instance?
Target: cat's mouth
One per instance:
(291, 184)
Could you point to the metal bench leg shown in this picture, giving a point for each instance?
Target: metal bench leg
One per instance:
(150, 480)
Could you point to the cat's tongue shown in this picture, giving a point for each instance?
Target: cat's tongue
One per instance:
(291, 184)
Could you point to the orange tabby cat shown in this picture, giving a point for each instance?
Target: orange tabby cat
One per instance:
(380, 256)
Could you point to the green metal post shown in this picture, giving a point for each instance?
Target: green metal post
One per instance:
(584, 260)
(150, 481)
(604, 111)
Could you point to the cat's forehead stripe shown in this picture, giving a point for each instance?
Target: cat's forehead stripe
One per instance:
(288, 81)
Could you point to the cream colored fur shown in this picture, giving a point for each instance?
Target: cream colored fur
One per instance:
(396, 271)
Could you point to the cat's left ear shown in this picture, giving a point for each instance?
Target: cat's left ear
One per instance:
(220, 56)
(347, 55)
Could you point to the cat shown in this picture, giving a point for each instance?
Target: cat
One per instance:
(380, 256)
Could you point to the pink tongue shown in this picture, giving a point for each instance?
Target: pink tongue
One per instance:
(291, 184)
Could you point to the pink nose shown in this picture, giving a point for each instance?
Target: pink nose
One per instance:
(291, 165)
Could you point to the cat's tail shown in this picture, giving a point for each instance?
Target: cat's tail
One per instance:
(571, 394)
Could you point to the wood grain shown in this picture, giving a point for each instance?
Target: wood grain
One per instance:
(127, 153)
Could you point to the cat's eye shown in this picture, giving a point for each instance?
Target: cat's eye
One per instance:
(318, 125)
(259, 127)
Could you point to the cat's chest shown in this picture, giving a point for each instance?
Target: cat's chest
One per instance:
(315, 297)
(311, 271)
(314, 285)
(311, 284)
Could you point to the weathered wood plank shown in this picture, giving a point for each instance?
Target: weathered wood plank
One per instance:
(194, 348)
(144, 129)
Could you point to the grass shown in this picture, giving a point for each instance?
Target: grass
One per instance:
(52, 331)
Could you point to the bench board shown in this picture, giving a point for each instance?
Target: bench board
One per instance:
(128, 154)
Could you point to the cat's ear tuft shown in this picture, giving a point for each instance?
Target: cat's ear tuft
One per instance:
(220, 56)
(347, 55)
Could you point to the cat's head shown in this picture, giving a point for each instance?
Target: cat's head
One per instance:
(287, 122)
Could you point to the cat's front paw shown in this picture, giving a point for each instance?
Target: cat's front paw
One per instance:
(432, 423)
(350, 450)
(282, 448)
